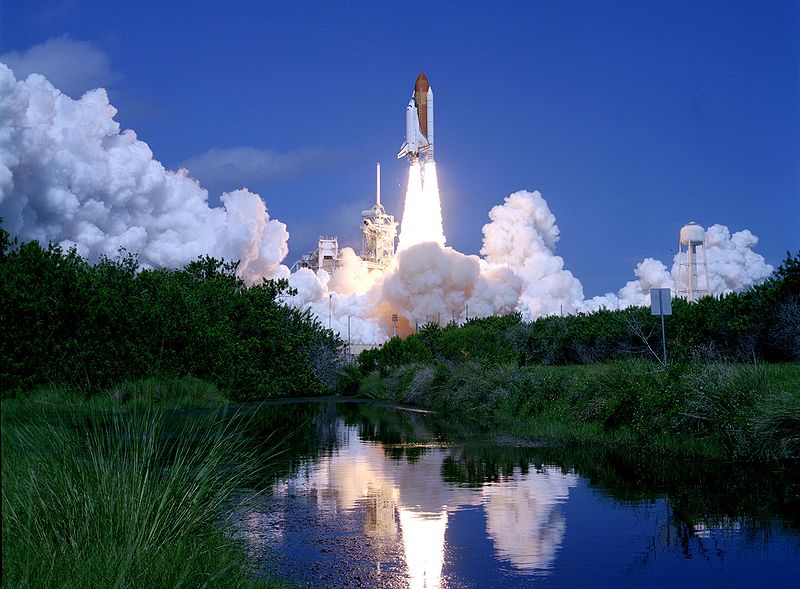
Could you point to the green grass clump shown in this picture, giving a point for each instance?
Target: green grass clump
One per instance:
(168, 393)
(373, 386)
(732, 411)
(120, 499)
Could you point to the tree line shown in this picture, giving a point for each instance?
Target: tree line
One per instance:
(66, 321)
(762, 323)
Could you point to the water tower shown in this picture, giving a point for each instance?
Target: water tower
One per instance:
(693, 274)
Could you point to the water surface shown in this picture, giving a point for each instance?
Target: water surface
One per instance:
(366, 495)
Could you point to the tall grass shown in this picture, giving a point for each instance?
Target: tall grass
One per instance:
(736, 411)
(184, 393)
(120, 499)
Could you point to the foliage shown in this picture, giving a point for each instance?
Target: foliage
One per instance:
(594, 377)
(105, 498)
(66, 321)
(734, 411)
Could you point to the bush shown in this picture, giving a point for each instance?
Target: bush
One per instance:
(66, 321)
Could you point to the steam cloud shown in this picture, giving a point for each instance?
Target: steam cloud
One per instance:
(69, 175)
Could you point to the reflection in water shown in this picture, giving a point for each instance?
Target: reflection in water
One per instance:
(406, 503)
(371, 497)
(523, 518)
(423, 545)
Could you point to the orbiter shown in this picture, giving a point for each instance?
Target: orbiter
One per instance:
(419, 122)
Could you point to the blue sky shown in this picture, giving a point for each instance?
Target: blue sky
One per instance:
(631, 118)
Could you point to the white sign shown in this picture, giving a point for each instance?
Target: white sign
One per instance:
(660, 301)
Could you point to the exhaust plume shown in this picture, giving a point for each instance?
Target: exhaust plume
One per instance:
(422, 213)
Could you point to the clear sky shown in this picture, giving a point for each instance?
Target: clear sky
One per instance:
(632, 118)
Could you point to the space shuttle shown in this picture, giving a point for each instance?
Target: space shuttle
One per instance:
(419, 122)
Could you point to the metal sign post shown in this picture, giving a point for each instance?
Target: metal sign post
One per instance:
(661, 304)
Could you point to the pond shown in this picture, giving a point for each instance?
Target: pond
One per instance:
(368, 495)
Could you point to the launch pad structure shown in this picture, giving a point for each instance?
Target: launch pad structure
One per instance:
(379, 233)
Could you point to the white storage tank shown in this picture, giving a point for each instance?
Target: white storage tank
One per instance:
(692, 234)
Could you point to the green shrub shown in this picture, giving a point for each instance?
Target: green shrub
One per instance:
(91, 326)
(373, 386)
(114, 499)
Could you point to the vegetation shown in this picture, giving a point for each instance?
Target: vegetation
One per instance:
(737, 411)
(762, 323)
(68, 322)
(103, 487)
(730, 388)
(101, 497)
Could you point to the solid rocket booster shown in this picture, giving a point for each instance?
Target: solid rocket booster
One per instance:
(419, 122)
(429, 98)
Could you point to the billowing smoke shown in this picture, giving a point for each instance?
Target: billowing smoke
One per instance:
(344, 303)
(522, 237)
(732, 263)
(436, 284)
(69, 175)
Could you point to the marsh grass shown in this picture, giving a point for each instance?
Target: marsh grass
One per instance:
(374, 387)
(733, 411)
(105, 498)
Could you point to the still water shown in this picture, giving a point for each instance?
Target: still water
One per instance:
(364, 495)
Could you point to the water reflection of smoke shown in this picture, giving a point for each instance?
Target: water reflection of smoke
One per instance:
(404, 506)
(523, 517)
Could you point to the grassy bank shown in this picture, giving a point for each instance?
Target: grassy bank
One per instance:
(732, 411)
(113, 491)
(730, 391)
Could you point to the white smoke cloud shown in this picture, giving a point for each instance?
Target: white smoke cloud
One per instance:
(432, 282)
(522, 236)
(68, 174)
(732, 263)
(73, 66)
(345, 302)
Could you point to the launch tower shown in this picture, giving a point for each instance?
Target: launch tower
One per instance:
(380, 230)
